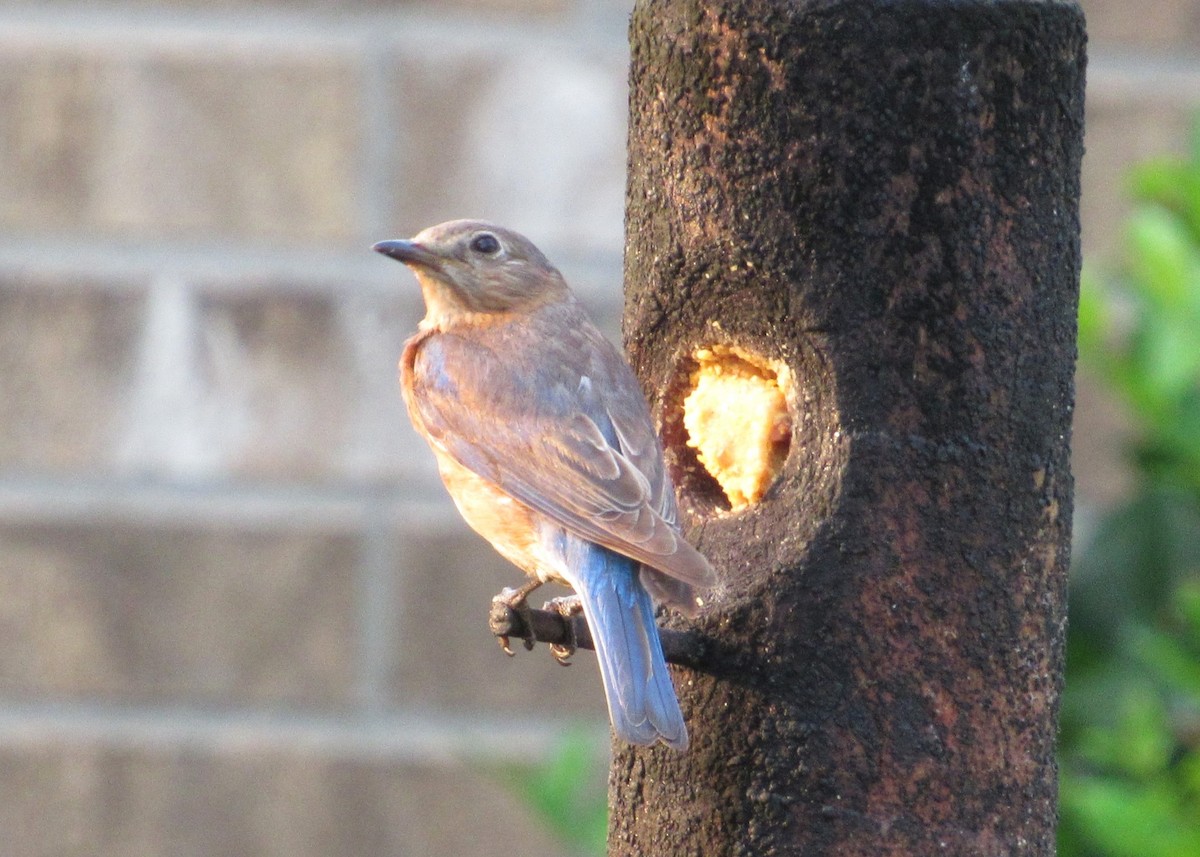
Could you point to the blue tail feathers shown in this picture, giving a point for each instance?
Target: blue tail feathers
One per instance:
(620, 614)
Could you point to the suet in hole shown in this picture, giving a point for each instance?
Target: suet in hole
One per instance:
(736, 420)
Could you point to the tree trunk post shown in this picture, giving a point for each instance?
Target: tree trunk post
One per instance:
(873, 205)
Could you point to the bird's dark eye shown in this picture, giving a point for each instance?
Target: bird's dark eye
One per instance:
(486, 243)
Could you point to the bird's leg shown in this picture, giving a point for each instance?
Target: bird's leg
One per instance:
(565, 606)
(514, 599)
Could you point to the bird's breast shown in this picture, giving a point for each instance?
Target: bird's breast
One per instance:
(510, 526)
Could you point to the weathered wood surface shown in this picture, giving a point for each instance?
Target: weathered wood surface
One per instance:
(883, 195)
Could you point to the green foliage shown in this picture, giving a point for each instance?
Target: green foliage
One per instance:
(1130, 743)
(568, 792)
(1131, 776)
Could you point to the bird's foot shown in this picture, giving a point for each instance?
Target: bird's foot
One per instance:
(514, 599)
(566, 606)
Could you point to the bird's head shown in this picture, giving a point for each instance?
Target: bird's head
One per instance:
(469, 268)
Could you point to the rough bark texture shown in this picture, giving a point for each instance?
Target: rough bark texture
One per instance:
(883, 195)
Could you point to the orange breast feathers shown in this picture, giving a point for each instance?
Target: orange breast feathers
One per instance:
(506, 523)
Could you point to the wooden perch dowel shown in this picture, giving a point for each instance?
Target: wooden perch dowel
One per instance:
(685, 648)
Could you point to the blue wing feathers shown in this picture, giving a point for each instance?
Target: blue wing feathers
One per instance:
(620, 613)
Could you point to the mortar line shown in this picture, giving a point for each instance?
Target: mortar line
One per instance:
(285, 31)
(234, 266)
(412, 736)
(34, 498)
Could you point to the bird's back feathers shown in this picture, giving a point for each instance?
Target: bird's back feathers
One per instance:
(560, 430)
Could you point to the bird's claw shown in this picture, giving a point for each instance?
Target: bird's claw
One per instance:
(507, 649)
(514, 599)
(566, 606)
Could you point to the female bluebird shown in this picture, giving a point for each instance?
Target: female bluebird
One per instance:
(545, 442)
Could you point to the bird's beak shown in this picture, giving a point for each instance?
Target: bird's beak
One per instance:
(410, 253)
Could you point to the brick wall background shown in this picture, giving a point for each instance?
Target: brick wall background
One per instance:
(237, 613)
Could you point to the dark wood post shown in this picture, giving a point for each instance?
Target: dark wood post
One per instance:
(878, 199)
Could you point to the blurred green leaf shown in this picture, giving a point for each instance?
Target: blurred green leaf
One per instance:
(1189, 775)
(1129, 747)
(569, 792)
(1168, 658)
(1094, 320)
(1128, 821)
(1188, 604)
(1173, 183)
(1161, 257)
(1140, 551)
(1171, 358)
(1139, 745)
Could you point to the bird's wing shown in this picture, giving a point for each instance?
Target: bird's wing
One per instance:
(553, 438)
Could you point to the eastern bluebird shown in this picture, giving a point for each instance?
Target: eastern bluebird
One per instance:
(545, 443)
